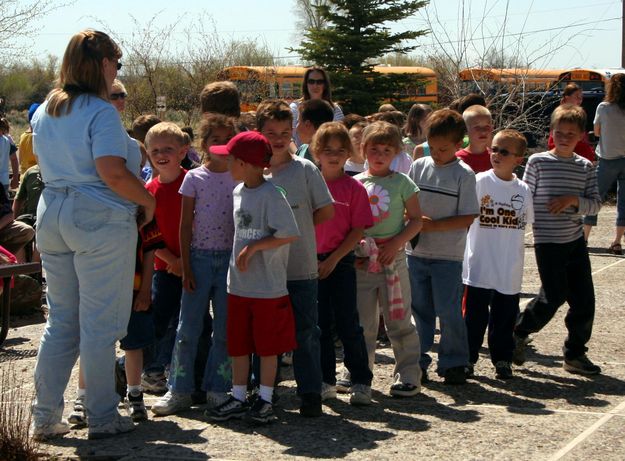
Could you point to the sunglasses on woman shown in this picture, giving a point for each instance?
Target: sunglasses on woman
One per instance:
(502, 152)
(116, 96)
(316, 81)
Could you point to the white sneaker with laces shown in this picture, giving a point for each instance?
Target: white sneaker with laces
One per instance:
(119, 425)
(172, 402)
(328, 391)
(360, 395)
(48, 431)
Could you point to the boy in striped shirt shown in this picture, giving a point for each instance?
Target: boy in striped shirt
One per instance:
(564, 187)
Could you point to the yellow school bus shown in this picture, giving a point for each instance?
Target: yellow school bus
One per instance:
(588, 79)
(490, 80)
(256, 83)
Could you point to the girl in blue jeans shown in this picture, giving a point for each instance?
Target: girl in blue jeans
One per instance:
(206, 235)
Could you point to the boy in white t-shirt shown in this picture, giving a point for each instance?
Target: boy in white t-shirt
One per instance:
(493, 258)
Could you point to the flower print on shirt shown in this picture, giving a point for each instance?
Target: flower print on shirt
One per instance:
(380, 200)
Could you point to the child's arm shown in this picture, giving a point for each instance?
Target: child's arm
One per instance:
(447, 224)
(15, 167)
(17, 206)
(388, 250)
(323, 214)
(144, 296)
(174, 263)
(266, 243)
(6, 220)
(326, 267)
(186, 225)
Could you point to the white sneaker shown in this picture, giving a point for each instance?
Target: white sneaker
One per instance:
(360, 395)
(48, 431)
(214, 399)
(119, 425)
(328, 391)
(171, 403)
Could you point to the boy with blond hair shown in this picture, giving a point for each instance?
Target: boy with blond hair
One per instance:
(307, 193)
(166, 149)
(493, 259)
(564, 188)
(449, 205)
(479, 123)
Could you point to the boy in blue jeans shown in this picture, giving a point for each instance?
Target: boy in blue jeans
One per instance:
(307, 193)
(449, 205)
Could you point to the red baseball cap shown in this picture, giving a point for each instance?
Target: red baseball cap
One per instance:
(249, 146)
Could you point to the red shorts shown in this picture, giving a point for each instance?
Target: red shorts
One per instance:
(262, 326)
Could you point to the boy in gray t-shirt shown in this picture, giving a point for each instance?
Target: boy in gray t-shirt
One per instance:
(449, 204)
(260, 317)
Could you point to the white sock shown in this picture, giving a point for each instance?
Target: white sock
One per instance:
(81, 392)
(239, 392)
(266, 393)
(135, 390)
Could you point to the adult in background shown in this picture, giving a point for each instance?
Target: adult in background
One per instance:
(573, 94)
(87, 235)
(610, 127)
(316, 85)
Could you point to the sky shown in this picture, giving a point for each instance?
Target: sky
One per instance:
(554, 34)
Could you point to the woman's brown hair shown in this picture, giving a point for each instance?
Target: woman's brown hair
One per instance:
(616, 90)
(82, 71)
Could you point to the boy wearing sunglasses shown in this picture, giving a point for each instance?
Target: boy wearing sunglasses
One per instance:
(493, 259)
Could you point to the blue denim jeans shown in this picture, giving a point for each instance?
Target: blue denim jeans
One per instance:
(210, 269)
(88, 252)
(608, 173)
(166, 296)
(436, 286)
(307, 356)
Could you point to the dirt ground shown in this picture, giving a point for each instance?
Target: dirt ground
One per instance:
(544, 413)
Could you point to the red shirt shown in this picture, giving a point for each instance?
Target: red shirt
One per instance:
(168, 211)
(477, 162)
(582, 148)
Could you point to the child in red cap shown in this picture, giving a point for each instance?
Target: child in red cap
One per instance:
(260, 317)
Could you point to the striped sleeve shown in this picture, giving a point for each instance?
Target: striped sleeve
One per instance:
(590, 203)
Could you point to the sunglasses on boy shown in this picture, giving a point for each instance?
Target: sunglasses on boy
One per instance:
(316, 81)
(502, 152)
(116, 96)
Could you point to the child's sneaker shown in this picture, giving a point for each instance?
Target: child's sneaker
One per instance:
(119, 425)
(136, 407)
(360, 395)
(581, 365)
(328, 391)
(154, 382)
(343, 386)
(48, 431)
(78, 416)
(399, 389)
(456, 375)
(260, 412)
(172, 402)
(231, 408)
(214, 399)
(518, 354)
(503, 370)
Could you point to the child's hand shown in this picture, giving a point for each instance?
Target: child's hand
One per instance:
(145, 215)
(387, 252)
(559, 204)
(188, 281)
(15, 182)
(142, 301)
(175, 267)
(427, 224)
(326, 267)
(244, 256)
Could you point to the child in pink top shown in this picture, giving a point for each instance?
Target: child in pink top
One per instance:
(336, 240)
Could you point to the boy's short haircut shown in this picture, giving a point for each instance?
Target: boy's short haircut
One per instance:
(189, 130)
(386, 108)
(475, 111)
(351, 119)
(381, 132)
(214, 121)
(273, 109)
(248, 120)
(222, 98)
(359, 125)
(520, 142)
(569, 113)
(395, 117)
(142, 124)
(327, 131)
(165, 130)
(446, 123)
(316, 111)
(570, 89)
(471, 99)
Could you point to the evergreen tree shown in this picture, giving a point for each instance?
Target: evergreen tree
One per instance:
(354, 38)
